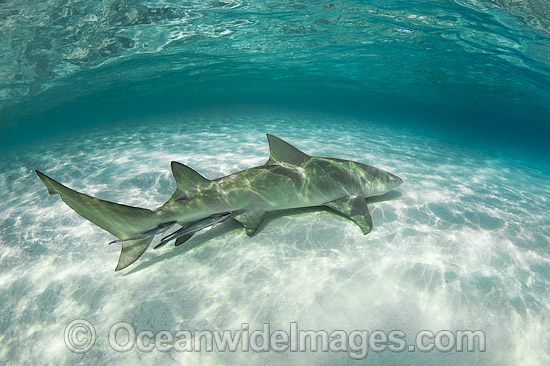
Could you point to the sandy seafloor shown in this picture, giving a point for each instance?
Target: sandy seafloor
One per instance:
(463, 244)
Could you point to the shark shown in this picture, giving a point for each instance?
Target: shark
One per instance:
(289, 179)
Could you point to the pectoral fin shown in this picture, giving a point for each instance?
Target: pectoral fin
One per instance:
(356, 210)
(250, 220)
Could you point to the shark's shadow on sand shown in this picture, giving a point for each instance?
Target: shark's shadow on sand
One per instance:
(231, 225)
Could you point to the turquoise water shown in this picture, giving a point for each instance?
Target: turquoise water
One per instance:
(452, 96)
(471, 67)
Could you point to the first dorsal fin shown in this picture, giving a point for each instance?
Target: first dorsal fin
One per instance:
(282, 152)
(186, 179)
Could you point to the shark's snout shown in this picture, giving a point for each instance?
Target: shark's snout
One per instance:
(395, 181)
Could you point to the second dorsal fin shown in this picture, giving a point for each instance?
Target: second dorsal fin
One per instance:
(282, 152)
(186, 179)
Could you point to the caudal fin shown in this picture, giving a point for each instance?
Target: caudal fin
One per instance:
(120, 220)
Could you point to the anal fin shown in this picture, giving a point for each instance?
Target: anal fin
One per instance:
(356, 210)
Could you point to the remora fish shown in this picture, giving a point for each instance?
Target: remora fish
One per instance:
(186, 232)
(289, 179)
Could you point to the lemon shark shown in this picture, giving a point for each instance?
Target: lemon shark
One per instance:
(289, 179)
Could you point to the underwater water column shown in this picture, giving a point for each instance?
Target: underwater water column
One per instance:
(452, 97)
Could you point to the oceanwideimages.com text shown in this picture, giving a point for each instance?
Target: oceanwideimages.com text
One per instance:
(80, 337)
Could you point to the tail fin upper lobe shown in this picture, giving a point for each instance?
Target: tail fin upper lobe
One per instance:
(120, 220)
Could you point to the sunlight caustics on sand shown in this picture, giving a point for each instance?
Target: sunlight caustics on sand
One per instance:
(462, 244)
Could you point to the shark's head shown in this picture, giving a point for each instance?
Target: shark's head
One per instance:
(373, 181)
(334, 175)
(357, 178)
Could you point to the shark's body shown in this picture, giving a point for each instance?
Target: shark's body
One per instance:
(289, 179)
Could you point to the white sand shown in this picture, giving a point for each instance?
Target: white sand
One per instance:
(465, 246)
